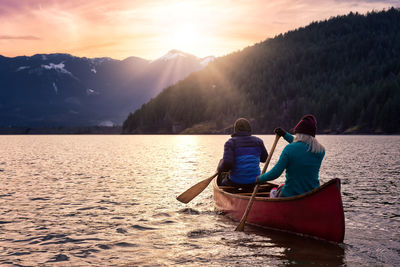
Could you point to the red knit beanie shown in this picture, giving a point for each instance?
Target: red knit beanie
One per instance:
(307, 125)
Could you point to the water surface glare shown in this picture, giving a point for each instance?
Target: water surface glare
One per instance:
(79, 200)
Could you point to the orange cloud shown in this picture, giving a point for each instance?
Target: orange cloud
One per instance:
(26, 37)
(123, 28)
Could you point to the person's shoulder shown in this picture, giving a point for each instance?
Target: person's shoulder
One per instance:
(293, 146)
(255, 138)
(230, 141)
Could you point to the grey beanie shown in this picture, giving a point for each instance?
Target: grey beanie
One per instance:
(241, 125)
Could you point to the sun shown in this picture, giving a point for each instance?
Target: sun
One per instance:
(189, 26)
(186, 38)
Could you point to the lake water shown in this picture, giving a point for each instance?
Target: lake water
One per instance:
(107, 200)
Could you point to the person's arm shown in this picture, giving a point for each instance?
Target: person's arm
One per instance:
(227, 162)
(277, 170)
(264, 153)
(287, 136)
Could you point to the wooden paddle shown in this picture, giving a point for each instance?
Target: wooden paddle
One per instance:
(196, 189)
(240, 227)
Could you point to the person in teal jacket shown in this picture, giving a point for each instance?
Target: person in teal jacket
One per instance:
(301, 159)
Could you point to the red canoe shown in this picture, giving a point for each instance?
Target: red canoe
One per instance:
(318, 213)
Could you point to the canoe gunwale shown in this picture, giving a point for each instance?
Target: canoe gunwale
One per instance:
(268, 199)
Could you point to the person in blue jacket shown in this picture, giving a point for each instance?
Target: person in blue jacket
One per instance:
(301, 159)
(242, 156)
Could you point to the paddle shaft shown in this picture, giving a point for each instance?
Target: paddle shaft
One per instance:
(240, 227)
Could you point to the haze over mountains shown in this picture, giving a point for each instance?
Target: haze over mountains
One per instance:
(61, 90)
(345, 70)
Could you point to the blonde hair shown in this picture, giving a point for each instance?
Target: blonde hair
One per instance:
(313, 145)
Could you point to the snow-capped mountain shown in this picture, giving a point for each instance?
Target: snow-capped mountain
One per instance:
(176, 54)
(63, 90)
(173, 54)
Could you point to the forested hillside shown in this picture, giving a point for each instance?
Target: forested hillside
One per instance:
(345, 70)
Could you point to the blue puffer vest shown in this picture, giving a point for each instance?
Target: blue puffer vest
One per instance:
(242, 156)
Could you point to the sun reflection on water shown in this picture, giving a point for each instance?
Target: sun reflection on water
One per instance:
(186, 157)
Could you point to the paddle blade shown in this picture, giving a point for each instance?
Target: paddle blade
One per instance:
(240, 227)
(196, 189)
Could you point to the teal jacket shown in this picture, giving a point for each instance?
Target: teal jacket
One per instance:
(301, 165)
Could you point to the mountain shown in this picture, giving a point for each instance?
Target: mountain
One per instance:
(52, 90)
(345, 70)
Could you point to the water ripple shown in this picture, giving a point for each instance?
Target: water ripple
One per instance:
(142, 228)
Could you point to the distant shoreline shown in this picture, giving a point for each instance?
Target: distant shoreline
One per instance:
(60, 130)
(117, 130)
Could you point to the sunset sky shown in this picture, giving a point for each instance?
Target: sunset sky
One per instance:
(150, 28)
